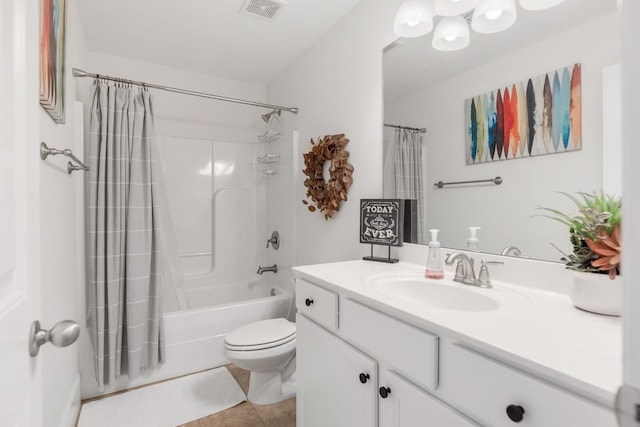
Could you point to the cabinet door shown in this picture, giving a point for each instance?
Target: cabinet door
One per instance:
(331, 391)
(407, 406)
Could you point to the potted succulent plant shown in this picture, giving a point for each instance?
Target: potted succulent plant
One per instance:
(594, 233)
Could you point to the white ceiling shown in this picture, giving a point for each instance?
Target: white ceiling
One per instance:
(414, 63)
(208, 36)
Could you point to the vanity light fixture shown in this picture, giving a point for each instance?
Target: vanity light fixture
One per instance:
(493, 16)
(454, 7)
(415, 19)
(452, 33)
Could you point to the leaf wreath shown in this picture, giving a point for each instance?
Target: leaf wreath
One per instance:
(327, 195)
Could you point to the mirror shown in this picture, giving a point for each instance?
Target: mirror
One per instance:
(426, 88)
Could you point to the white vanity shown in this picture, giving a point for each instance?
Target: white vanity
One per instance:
(379, 345)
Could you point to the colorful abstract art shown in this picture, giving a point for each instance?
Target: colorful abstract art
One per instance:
(541, 115)
(52, 21)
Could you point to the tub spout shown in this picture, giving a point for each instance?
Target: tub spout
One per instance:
(273, 269)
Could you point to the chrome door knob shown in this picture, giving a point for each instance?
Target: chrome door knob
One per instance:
(62, 334)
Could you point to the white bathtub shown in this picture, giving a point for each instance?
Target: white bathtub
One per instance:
(195, 337)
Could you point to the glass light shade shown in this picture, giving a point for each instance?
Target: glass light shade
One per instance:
(452, 33)
(539, 4)
(492, 16)
(414, 18)
(454, 7)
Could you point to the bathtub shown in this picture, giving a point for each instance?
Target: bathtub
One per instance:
(194, 338)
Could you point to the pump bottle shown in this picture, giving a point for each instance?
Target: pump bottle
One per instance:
(434, 260)
(473, 244)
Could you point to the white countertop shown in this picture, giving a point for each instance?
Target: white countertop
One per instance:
(535, 330)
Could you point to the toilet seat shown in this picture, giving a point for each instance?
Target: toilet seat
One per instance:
(261, 335)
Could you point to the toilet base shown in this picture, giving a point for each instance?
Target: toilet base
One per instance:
(266, 388)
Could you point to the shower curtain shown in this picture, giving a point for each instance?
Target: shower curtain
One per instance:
(124, 313)
(403, 172)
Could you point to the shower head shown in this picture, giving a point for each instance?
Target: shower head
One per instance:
(266, 117)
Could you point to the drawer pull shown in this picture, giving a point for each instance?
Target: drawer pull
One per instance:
(308, 302)
(385, 392)
(515, 413)
(364, 378)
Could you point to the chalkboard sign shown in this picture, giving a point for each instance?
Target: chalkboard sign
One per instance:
(381, 221)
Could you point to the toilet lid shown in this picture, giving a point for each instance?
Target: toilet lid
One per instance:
(264, 332)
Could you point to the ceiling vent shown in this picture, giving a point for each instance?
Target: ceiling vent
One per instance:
(264, 9)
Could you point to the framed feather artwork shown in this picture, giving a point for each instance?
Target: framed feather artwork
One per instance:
(537, 116)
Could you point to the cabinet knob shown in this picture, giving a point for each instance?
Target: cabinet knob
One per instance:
(515, 413)
(364, 377)
(308, 302)
(384, 392)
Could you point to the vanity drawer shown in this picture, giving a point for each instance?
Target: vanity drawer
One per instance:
(317, 304)
(412, 352)
(485, 388)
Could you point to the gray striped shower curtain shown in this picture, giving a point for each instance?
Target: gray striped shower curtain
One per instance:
(408, 173)
(124, 312)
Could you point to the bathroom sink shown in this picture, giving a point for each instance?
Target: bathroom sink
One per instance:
(443, 294)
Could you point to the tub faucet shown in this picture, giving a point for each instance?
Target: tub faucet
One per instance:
(274, 240)
(464, 269)
(273, 269)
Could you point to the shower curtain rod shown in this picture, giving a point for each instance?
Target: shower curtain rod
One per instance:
(421, 130)
(81, 73)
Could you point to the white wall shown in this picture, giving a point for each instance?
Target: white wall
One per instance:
(61, 247)
(337, 84)
(505, 212)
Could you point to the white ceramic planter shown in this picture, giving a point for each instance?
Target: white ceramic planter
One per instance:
(597, 293)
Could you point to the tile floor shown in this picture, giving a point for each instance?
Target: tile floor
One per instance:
(247, 414)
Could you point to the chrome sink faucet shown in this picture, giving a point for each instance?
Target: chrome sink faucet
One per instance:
(511, 251)
(465, 272)
(273, 269)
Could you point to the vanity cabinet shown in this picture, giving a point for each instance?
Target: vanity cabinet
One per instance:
(361, 367)
(344, 386)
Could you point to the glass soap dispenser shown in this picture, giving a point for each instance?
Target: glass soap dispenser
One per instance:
(434, 260)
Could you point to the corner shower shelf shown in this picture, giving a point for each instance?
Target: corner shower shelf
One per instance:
(268, 136)
(268, 158)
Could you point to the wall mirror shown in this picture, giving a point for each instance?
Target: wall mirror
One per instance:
(427, 88)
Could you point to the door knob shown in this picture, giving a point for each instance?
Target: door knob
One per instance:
(62, 334)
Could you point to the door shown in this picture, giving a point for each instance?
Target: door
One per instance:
(629, 399)
(20, 388)
(404, 405)
(336, 383)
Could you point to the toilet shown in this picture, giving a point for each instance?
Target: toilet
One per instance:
(267, 348)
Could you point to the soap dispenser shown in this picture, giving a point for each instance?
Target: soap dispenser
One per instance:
(473, 244)
(434, 260)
